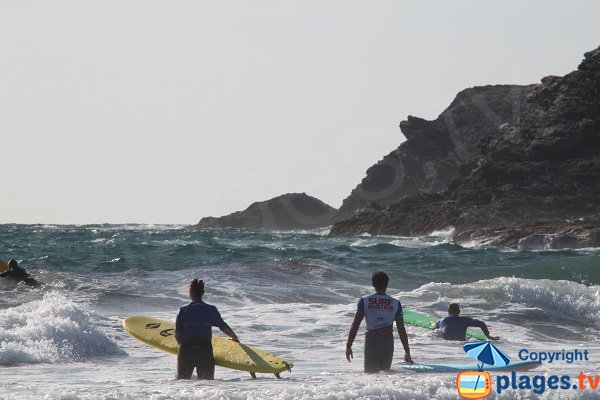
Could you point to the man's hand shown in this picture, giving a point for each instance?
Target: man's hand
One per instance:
(349, 354)
(408, 359)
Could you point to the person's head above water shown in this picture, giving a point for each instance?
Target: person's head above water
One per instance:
(453, 309)
(196, 288)
(380, 281)
(12, 264)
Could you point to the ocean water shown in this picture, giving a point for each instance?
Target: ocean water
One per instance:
(291, 293)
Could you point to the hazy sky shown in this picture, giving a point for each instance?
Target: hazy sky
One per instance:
(167, 111)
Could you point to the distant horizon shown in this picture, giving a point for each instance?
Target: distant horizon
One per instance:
(166, 113)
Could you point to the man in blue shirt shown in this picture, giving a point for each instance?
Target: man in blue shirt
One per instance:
(193, 332)
(380, 311)
(454, 327)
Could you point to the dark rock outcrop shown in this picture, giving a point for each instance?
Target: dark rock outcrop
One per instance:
(286, 212)
(537, 181)
(430, 157)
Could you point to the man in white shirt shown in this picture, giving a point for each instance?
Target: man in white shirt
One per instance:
(380, 312)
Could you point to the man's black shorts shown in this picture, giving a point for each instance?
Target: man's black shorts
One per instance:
(196, 353)
(379, 351)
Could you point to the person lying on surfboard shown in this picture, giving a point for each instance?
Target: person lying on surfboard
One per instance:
(380, 311)
(19, 274)
(454, 327)
(193, 332)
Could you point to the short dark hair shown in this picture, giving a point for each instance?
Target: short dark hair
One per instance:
(453, 309)
(197, 287)
(380, 279)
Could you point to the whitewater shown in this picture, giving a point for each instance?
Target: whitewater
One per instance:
(290, 293)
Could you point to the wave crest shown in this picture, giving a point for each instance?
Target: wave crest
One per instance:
(566, 297)
(51, 330)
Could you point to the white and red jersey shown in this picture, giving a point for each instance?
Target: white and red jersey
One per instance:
(380, 310)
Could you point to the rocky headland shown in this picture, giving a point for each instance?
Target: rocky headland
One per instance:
(533, 181)
(426, 162)
(503, 165)
(429, 160)
(286, 212)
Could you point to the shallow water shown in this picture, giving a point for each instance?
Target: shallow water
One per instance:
(290, 293)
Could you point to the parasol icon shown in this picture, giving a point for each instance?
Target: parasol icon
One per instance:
(487, 353)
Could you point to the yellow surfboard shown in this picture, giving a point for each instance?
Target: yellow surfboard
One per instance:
(228, 354)
(3, 266)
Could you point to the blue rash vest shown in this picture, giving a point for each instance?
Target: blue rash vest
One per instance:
(196, 320)
(454, 327)
(380, 311)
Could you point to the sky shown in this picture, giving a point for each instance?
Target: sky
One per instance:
(146, 111)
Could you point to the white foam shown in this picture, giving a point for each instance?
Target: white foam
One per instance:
(479, 243)
(323, 231)
(103, 241)
(421, 242)
(51, 330)
(445, 233)
(310, 335)
(567, 297)
(412, 242)
(128, 227)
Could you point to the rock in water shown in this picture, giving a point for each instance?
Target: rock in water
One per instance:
(286, 212)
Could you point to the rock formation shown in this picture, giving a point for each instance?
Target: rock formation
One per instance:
(289, 211)
(426, 162)
(536, 179)
(430, 157)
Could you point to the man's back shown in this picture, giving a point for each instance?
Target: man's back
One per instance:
(380, 310)
(196, 319)
(454, 327)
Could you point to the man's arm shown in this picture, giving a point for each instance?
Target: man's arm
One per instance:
(485, 330)
(222, 325)
(404, 339)
(178, 328)
(229, 332)
(358, 317)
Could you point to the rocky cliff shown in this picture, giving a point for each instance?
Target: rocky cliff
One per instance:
(430, 157)
(536, 180)
(289, 211)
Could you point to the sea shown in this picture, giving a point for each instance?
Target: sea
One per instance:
(293, 294)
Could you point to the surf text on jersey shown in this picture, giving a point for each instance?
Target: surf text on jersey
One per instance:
(380, 304)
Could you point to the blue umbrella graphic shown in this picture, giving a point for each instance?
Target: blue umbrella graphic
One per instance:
(487, 353)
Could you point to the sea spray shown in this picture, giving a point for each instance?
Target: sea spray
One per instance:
(52, 330)
(568, 298)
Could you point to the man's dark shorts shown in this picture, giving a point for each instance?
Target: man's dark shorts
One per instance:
(379, 351)
(196, 353)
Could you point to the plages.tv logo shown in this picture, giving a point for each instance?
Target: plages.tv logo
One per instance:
(478, 384)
